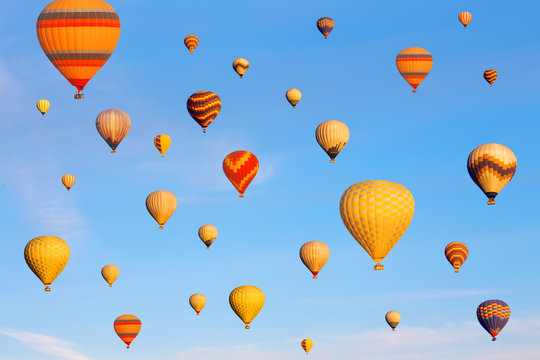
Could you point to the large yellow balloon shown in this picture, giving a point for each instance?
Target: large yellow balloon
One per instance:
(161, 205)
(332, 136)
(113, 126)
(293, 96)
(306, 344)
(68, 180)
(393, 318)
(43, 105)
(208, 233)
(110, 273)
(197, 302)
(377, 214)
(246, 301)
(46, 256)
(314, 255)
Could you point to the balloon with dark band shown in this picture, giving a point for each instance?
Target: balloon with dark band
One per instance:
(325, 26)
(204, 106)
(493, 316)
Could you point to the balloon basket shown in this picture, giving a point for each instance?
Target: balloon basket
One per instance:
(378, 267)
(78, 96)
(47, 288)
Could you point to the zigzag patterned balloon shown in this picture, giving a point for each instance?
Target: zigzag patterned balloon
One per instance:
(240, 167)
(204, 106)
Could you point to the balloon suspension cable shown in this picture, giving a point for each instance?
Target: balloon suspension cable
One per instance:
(128, 347)
(162, 155)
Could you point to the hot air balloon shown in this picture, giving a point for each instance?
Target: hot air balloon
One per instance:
(191, 42)
(68, 181)
(110, 273)
(246, 301)
(78, 37)
(240, 167)
(490, 76)
(332, 136)
(325, 26)
(208, 233)
(293, 96)
(113, 126)
(204, 106)
(377, 214)
(46, 256)
(161, 205)
(162, 143)
(240, 65)
(306, 344)
(456, 253)
(393, 318)
(414, 64)
(491, 167)
(127, 328)
(465, 18)
(493, 316)
(43, 105)
(314, 255)
(197, 302)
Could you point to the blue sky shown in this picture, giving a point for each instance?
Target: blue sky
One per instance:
(421, 141)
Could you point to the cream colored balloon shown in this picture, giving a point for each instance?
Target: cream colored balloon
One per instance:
(314, 255)
(208, 233)
(197, 302)
(113, 126)
(247, 301)
(68, 181)
(240, 65)
(110, 273)
(293, 96)
(161, 205)
(393, 318)
(332, 136)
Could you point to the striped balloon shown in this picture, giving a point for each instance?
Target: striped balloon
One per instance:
(113, 125)
(240, 65)
(240, 167)
(493, 316)
(456, 253)
(68, 180)
(491, 167)
(332, 136)
(306, 344)
(325, 26)
(191, 42)
(490, 76)
(43, 105)
(78, 37)
(204, 106)
(127, 328)
(162, 143)
(414, 64)
(465, 17)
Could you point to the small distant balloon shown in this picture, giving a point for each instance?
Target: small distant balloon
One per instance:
(325, 26)
(240, 65)
(293, 96)
(240, 167)
(493, 316)
(113, 126)
(110, 273)
(191, 42)
(197, 302)
(162, 143)
(161, 205)
(332, 136)
(414, 64)
(456, 253)
(208, 233)
(490, 76)
(246, 301)
(393, 318)
(314, 255)
(43, 105)
(465, 18)
(306, 344)
(127, 328)
(204, 107)
(46, 256)
(68, 181)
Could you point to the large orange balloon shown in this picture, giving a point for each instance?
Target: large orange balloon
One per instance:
(414, 64)
(240, 167)
(78, 37)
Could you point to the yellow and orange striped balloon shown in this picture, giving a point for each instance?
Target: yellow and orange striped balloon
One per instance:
(191, 42)
(240, 65)
(162, 143)
(465, 18)
(490, 76)
(127, 328)
(78, 37)
(456, 253)
(204, 106)
(414, 64)
(43, 106)
(240, 167)
(68, 181)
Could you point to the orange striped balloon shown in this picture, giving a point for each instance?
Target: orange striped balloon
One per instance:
(127, 328)
(191, 42)
(78, 37)
(465, 17)
(240, 167)
(204, 106)
(456, 253)
(490, 76)
(414, 64)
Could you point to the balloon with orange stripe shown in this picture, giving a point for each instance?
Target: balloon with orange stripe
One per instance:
(204, 106)
(414, 64)
(240, 167)
(191, 42)
(456, 253)
(325, 26)
(490, 76)
(465, 18)
(78, 37)
(127, 328)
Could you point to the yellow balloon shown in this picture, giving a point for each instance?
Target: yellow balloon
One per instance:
(332, 136)
(43, 105)
(306, 344)
(68, 181)
(393, 318)
(110, 273)
(197, 302)
(293, 96)
(377, 214)
(162, 143)
(240, 65)
(314, 255)
(46, 256)
(113, 126)
(161, 205)
(246, 301)
(208, 233)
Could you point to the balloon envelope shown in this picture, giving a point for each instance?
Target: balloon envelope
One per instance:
(456, 253)
(393, 318)
(240, 65)
(208, 233)
(246, 301)
(465, 18)
(113, 126)
(162, 143)
(332, 136)
(46, 256)
(68, 181)
(161, 205)
(493, 316)
(325, 26)
(127, 328)
(414, 64)
(293, 96)
(204, 106)
(191, 42)
(110, 273)
(306, 344)
(240, 167)
(490, 76)
(197, 302)
(43, 106)
(314, 255)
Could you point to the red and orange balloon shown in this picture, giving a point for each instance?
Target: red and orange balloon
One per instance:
(240, 167)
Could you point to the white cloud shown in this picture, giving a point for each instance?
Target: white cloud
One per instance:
(45, 344)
